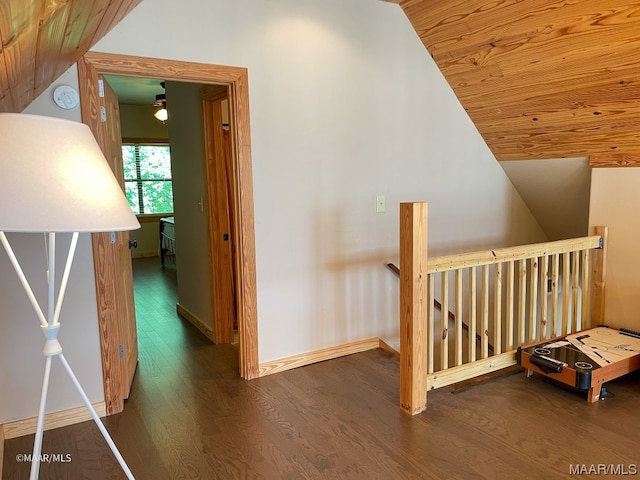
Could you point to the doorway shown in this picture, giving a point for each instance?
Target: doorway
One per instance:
(187, 158)
(241, 199)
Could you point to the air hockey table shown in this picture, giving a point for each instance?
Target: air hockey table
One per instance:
(584, 360)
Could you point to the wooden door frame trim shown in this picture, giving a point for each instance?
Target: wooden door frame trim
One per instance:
(243, 229)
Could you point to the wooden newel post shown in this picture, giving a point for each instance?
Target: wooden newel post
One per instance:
(598, 278)
(413, 307)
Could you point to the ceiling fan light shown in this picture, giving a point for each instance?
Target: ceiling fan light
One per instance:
(161, 114)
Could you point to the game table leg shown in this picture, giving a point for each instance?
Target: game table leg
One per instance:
(593, 394)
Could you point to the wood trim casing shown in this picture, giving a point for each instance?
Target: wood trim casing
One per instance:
(195, 321)
(62, 418)
(308, 358)
(243, 229)
(389, 349)
(144, 141)
(153, 218)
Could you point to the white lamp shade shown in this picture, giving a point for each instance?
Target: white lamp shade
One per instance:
(54, 178)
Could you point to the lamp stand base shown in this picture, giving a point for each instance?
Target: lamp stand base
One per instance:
(52, 348)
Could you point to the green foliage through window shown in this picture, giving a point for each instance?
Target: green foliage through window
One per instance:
(147, 178)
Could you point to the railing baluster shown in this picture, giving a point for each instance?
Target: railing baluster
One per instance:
(533, 300)
(575, 290)
(565, 294)
(544, 291)
(586, 290)
(472, 314)
(510, 302)
(484, 343)
(497, 310)
(522, 297)
(458, 300)
(444, 319)
(431, 325)
(554, 295)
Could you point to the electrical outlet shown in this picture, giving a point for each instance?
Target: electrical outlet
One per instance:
(381, 205)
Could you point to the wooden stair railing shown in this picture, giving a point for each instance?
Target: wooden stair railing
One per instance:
(394, 268)
(508, 299)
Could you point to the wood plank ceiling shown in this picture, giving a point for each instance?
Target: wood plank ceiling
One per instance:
(41, 39)
(541, 78)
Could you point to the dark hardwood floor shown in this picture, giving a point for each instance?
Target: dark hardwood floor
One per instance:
(189, 416)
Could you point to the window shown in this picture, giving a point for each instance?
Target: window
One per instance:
(147, 178)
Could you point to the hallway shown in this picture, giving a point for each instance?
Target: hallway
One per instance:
(166, 342)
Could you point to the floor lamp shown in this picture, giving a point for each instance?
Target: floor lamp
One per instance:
(54, 178)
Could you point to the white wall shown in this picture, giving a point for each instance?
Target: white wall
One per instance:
(137, 121)
(21, 342)
(147, 239)
(186, 135)
(615, 203)
(346, 104)
(556, 191)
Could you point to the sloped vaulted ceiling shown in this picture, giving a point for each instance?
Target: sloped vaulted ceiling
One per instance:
(41, 39)
(541, 78)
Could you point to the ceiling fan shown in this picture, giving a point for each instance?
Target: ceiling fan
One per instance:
(161, 102)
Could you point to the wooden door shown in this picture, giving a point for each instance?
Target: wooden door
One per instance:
(128, 347)
(112, 259)
(218, 167)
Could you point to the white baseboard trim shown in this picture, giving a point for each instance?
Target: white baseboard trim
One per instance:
(195, 321)
(63, 418)
(329, 353)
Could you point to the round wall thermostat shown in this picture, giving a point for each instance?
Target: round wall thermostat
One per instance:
(66, 97)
